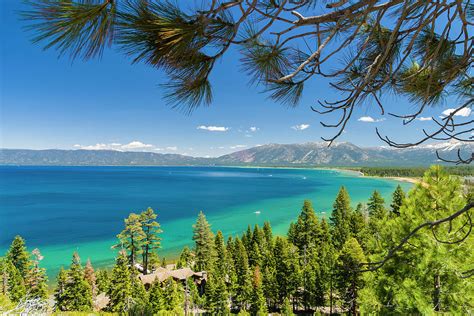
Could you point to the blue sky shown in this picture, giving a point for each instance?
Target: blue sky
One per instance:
(48, 102)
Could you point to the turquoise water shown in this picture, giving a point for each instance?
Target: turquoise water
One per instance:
(62, 209)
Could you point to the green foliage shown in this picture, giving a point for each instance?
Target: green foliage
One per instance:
(174, 296)
(398, 197)
(349, 279)
(76, 292)
(19, 256)
(13, 284)
(341, 218)
(156, 297)
(120, 289)
(131, 238)
(424, 276)
(258, 304)
(36, 279)
(102, 281)
(185, 258)
(286, 308)
(204, 244)
(151, 240)
(305, 232)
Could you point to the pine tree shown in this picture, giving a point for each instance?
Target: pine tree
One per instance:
(156, 297)
(341, 218)
(120, 290)
(36, 280)
(173, 295)
(287, 268)
(204, 244)
(423, 277)
(14, 285)
(222, 263)
(306, 229)
(194, 299)
(349, 279)
(59, 297)
(131, 238)
(243, 276)
(258, 304)
(185, 258)
(286, 308)
(19, 256)
(102, 281)
(376, 206)
(358, 226)
(151, 240)
(268, 234)
(90, 277)
(77, 294)
(398, 197)
(139, 294)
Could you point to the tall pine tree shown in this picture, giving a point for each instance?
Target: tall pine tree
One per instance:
(204, 244)
(77, 292)
(341, 218)
(120, 289)
(19, 256)
(151, 241)
(131, 238)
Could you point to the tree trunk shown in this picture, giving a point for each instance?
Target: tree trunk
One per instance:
(437, 293)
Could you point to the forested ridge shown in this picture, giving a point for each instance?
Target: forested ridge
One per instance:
(337, 265)
(417, 172)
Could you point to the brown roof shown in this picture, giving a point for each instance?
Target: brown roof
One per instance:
(162, 274)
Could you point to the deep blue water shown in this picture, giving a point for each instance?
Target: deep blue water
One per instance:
(62, 209)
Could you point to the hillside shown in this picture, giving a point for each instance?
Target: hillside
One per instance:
(307, 154)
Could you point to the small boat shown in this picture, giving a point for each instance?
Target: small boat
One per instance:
(304, 178)
(257, 212)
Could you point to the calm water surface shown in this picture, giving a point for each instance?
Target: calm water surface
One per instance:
(62, 209)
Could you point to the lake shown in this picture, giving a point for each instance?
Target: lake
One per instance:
(63, 209)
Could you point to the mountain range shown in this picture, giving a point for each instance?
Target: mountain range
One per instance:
(307, 154)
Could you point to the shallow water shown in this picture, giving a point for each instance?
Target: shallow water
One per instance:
(62, 209)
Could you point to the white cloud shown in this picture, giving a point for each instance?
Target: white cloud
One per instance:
(465, 112)
(253, 129)
(134, 145)
(173, 148)
(213, 128)
(369, 119)
(422, 119)
(237, 146)
(300, 127)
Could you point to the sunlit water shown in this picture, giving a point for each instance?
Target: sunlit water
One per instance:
(62, 209)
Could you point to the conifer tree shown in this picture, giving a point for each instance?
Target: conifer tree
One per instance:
(19, 256)
(258, 303)
(268, 235)
(131, 238)
(287, 268)
(59, 297)
(243, 276)
(173, 294)
(36, 280)
(14, 285)
(286, 308)
(222, 263)
(120, 290)
(358, 226)
(77, 294)
(204, 244)
(376, 206)
(398, 197)
(247, 238)
(341, 218)
(349, 277)
(185, 258)
(156, 297)
(139, 294)
(102, 281)
(194, 299)
(151, 240)
(89, 275)
(423, 277)
(306, 228)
